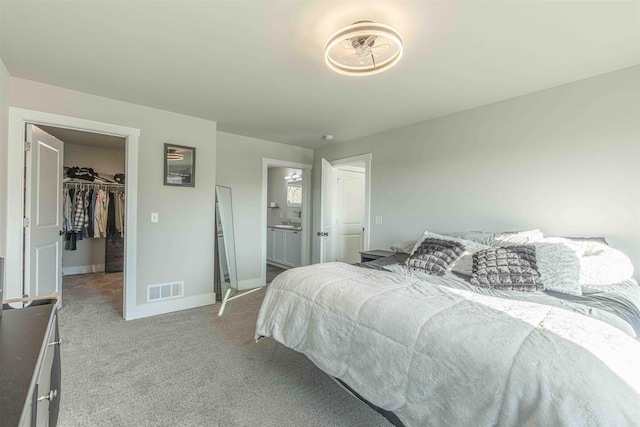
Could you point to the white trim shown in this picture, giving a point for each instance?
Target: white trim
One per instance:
(366, 159)
(256, 282)
(276, 264)
(18, 118)
(306, 210)
(83, 269)
(171, 305)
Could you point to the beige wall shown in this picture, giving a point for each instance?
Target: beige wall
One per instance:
(565, 160)
(91, 251)
(180, 245)
(239, 166)
(101, 160)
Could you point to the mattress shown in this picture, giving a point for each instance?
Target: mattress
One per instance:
(434, 352)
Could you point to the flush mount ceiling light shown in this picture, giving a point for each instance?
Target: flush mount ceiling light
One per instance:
(295, 177)
(363, 49)
(173, 155)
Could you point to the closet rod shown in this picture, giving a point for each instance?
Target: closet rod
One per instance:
(99, 184)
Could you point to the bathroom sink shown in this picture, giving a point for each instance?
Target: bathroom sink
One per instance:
(288, 227)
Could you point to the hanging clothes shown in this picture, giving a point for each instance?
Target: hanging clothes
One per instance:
(120, 213)
(105, 213)
(90, 202)
(98, 230)
(111, 216)
(78, 218)
(92, 213)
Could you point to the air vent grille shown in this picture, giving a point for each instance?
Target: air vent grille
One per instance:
(165, 291)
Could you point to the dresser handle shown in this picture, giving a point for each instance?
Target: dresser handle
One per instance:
(56, 342)
(50, 396)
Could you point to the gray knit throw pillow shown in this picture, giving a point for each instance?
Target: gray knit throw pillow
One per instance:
(434, 256)
(510, 268)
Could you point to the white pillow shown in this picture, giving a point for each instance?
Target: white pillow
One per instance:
(481, 237)
(510, 238)
(559, 267)
(600, 264)
(404, 247)
(465, 262)
(503, 238)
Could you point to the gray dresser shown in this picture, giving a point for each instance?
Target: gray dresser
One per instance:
(30, 364)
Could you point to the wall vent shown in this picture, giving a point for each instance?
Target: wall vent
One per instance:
(165, 291)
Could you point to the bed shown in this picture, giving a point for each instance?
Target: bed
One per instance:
(437, 350)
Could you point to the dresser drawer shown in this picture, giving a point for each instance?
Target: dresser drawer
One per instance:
(46, 404)
(30, 359)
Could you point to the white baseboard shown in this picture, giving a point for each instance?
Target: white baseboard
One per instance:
(257, 282)
(277, 264)
(83, 269)
(169, 306)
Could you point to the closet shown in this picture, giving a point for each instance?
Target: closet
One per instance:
(93, 191)
(95, 211)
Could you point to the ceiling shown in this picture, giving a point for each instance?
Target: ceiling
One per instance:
(257, 67)
(88, 139)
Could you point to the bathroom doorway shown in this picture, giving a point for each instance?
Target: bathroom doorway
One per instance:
(286, 216)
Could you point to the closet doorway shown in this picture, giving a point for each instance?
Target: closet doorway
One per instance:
(21, 186)
(93, 204)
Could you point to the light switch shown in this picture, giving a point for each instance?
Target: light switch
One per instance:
(378, 219)
(154, 217)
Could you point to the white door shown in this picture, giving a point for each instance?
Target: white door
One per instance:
(349, 216)
(43, 219)
(326, 212)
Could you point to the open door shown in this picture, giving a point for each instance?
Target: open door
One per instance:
(43, 214)
(326, 212)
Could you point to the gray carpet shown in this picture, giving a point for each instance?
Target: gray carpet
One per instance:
(189, 368)
(273, 271)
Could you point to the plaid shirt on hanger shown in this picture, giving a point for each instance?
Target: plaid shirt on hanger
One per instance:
(79, 214)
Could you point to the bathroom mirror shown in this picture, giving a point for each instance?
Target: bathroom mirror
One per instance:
(226, 256)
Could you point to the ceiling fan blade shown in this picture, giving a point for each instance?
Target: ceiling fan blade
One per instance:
(369, 40)
(381, 46)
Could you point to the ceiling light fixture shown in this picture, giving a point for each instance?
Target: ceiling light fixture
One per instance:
(173, 155)
(363, 48)
(295, 177)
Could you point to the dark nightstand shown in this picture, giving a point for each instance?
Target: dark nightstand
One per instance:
(372, 255)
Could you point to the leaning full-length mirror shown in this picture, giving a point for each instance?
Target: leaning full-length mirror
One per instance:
(226, 256)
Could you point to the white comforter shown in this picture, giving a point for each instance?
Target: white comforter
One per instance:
(440, 356)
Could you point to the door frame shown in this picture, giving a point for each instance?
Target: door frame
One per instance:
(18, 119)
(305, 255)
(366, 159)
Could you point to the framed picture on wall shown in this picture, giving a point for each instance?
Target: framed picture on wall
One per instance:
(179, 165)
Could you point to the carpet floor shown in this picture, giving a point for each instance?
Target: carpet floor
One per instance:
(273, 272)
(189, 368)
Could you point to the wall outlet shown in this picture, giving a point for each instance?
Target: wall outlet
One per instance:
(154, 217)
(378, 219)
